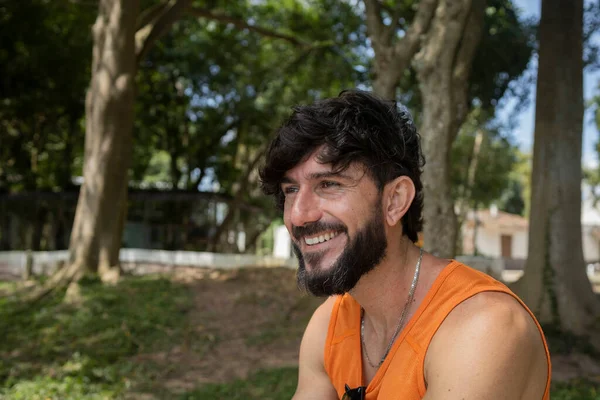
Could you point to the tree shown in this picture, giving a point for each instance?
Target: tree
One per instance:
(212, 112)
(42, 92)
(440, 41)
(123, 36)
(443, 70)
(100, 214)
(44, 68)
(483, 167)
(555, 284)
(515, 199)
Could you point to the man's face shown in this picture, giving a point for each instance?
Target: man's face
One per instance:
(336, 224)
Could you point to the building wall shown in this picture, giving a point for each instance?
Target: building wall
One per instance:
(489, 242)
(591, 245)
(282, 246)
(519, 244)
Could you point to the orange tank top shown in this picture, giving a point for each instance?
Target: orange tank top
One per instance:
(405, 380)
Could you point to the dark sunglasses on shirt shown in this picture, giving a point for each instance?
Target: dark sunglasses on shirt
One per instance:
(355, 394)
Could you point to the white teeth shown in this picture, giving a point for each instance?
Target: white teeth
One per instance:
(320, 238)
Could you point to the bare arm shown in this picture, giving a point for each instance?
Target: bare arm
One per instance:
(313, 382)
(489, 348)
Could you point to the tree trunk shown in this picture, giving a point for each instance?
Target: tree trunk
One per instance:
(555, 284)
(475, 229)
(59, 233)
(385, 82)
(102, 204)
(39, 222)
(442, 38)
(96, 236)
(443, 67)
(5, 227)
(467, 189)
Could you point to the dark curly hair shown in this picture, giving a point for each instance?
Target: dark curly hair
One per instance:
(356, 126)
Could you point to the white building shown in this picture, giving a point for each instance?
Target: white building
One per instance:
(497, 235)
(504, 235)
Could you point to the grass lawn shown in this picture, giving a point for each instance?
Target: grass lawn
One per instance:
(153, 337)
(280, 385)
(57, 351)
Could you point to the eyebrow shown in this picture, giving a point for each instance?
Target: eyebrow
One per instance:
(321, 175)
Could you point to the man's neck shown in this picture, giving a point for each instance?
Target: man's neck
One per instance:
(383, 292)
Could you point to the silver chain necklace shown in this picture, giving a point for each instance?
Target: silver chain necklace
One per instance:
(411, 294)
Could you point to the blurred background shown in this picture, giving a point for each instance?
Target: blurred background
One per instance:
(138, 257)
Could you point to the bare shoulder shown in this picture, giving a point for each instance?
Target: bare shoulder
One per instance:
(495, 311)
(316, 330)
(313, 381)
(491, 307)
(492, 342)
(323, 312)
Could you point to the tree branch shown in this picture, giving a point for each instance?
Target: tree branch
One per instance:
(391, 30)
(237, 198)
(242, 24)
(148, 34)
(150, 14)
(374, 23)
(407, 46)
(440, 44)
(463, 63)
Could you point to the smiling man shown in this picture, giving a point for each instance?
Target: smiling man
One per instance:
(398, 323)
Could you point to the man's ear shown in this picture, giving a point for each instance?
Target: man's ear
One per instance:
(398, 196)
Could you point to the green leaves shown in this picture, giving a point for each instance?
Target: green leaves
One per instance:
(45, 68)
(496, 159)
(211, 94)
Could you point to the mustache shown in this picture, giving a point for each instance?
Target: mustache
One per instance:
(316, 227)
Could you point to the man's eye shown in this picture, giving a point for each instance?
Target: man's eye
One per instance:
(289, 189)
(329, 184)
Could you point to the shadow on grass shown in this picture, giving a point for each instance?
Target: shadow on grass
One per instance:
(561, 342)
(576, 390)
(54, 350)
(273, 384)
(280, 384)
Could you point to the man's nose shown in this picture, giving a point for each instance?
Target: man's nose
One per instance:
(305, 209)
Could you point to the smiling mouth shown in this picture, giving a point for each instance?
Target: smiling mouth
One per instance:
(313, 240)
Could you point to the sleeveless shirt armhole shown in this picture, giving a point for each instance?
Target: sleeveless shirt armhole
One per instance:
(439, 321)
(420, 363)
(330, 334)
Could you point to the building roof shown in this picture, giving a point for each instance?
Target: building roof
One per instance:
(497, 219)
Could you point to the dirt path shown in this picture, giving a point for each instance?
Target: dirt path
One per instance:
(242, 321)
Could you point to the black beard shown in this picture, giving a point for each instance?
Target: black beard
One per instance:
(359, 257)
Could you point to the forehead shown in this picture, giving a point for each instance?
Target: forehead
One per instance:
(312, 168)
